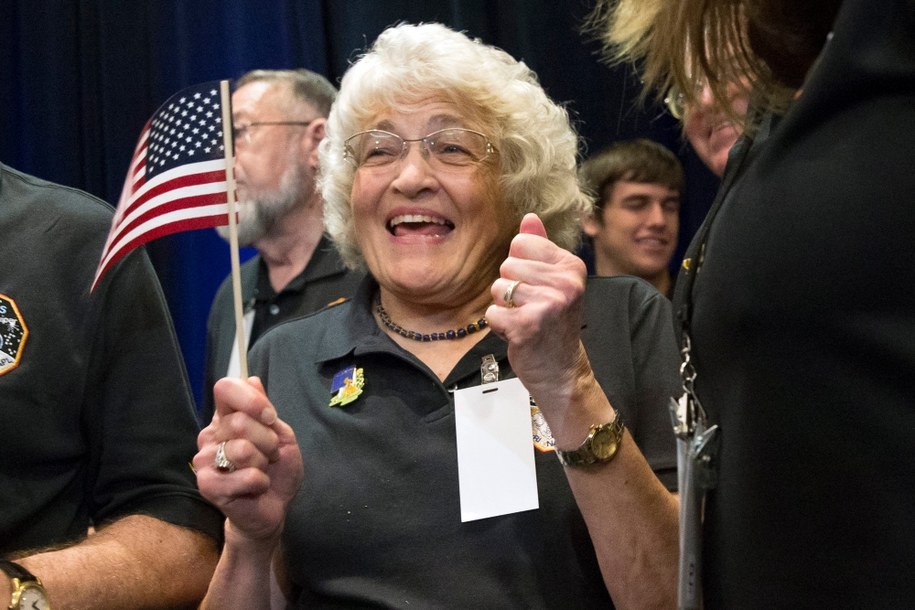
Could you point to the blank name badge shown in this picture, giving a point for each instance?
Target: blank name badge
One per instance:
(495, 450)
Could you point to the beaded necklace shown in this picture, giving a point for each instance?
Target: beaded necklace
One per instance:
(454, 333)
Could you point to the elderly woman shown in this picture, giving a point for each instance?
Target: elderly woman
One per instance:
(347, 479)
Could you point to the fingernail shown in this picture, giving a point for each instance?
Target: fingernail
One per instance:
(268, 416)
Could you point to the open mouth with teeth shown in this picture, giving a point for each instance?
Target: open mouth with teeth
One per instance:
(652, 242)
(419, 224)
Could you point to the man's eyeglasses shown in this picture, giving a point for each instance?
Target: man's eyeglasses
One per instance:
(243, 132)
(454, 146)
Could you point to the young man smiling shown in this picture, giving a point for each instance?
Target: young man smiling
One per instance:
(633, 228)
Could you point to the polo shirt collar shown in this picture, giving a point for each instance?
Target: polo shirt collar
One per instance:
(359, 334)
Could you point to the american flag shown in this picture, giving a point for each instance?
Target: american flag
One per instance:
(177, 176)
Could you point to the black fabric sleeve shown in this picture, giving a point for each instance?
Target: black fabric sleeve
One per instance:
(629, 336)
(656, 364)
(139, 414)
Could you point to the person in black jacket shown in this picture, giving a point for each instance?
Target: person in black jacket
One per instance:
(99, 504)
(798, 299)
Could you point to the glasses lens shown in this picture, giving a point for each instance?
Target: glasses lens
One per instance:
(675, 103)
(374, 148)
(457, 146)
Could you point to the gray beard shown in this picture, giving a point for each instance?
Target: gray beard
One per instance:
(261, 211)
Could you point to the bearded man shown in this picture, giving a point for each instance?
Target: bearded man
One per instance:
(278, 121)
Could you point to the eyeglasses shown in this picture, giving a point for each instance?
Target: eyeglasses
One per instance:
(676, 103)
(454, 146)
(243, 132)
(730, 74)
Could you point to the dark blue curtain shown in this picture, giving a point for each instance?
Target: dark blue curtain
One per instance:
(80, 78)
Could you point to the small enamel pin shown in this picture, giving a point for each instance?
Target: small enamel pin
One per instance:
(346, 386)
(543, 437)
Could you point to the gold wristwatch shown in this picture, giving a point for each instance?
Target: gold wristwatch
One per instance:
(28, 592)
(600, 446)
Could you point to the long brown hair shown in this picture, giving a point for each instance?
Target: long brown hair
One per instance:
(763, 46)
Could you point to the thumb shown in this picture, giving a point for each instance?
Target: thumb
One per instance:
(268, 415)
(255, 382)
(532, 224)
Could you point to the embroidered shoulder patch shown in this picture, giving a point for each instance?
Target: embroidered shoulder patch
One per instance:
(13, 333)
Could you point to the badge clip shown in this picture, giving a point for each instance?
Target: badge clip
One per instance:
(489, 369)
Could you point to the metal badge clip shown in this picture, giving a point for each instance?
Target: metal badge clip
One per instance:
(489, 369)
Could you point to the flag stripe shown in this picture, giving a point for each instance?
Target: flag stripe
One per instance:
(212, 171)
(174, 222)
(182, 186)
(210, 195)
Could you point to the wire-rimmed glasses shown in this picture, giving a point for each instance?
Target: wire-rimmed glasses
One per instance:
(243, 131)
(676, 103)
(454, 147)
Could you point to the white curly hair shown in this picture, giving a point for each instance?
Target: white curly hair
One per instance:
(536, 143)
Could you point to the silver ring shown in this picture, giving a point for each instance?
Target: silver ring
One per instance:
(223, 464)
(509, 294)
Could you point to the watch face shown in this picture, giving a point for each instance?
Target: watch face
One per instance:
(32, 597)
(604, 443)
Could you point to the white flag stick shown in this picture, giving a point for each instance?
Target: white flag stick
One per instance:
(240, 337)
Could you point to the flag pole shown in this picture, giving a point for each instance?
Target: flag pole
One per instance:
(225, 100)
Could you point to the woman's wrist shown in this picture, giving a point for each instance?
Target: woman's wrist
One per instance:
(249, 547)
(573, 406)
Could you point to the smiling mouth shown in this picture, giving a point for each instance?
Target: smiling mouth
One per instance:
(652, 242)
(419, 224)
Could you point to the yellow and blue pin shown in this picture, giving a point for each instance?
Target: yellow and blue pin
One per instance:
(346, 386)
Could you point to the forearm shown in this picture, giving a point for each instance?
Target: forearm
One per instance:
(633, 523)
(631, 517)
(135, 562)
(244, 577)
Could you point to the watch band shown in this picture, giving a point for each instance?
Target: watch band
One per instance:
(22, 580)
(14, 570)
(600, 446)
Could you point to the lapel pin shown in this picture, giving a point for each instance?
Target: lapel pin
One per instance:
(346, 386)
